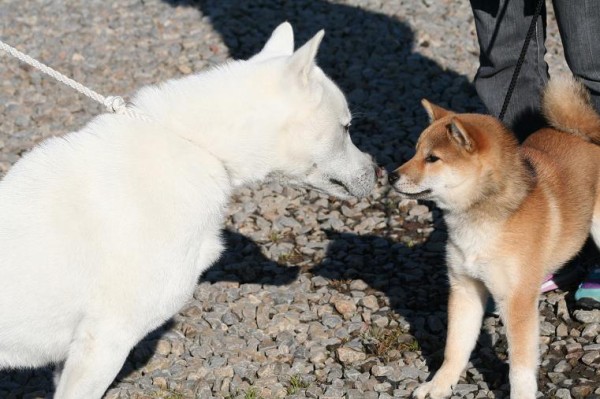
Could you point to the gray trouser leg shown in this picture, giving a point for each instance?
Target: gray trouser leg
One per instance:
(501, 29)
(579, 26)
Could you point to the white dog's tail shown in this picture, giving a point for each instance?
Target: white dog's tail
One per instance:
(566, 105)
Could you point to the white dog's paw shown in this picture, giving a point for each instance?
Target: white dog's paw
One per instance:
(432, 390)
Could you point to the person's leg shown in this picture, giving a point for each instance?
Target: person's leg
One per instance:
(579, 27)
(501, 29)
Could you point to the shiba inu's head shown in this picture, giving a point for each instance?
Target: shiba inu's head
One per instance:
(314, 147)
(459, 160)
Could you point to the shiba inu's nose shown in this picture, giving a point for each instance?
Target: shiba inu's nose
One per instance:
(393, 177)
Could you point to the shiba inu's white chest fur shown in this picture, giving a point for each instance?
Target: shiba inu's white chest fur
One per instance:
(470, 246)
(472, 250)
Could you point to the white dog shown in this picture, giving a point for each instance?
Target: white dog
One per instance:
(105, 231)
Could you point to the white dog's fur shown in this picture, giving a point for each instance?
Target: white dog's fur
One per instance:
(105, 231)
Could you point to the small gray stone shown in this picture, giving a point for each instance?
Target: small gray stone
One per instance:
(332, 321)
(547, 328)
(369, 302)
(380, 371)
(581, 391)
(591, 330)
(319, 281)
(562, 330)
(349, 356)
(358, 285)
(383, 387)
(592, 357)
(464, 389)
(333, 393)
(413, 373)
(563, 393)
(562, 367)
(556, 378)
(588, 316)
(345, 306)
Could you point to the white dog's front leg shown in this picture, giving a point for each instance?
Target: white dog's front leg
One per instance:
(56, 373)
(94, 360)
(465, 312)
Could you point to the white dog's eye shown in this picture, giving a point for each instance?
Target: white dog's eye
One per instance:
(347, 127)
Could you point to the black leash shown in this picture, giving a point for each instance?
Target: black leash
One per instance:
(515, 76)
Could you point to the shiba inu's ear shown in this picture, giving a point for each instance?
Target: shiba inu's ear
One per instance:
(281, 43)
(303, 60)
(435, 112)
(459, 134)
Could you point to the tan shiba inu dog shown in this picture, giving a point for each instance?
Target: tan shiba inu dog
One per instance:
(514, 214)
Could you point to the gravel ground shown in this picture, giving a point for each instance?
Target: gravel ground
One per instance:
(314, 298)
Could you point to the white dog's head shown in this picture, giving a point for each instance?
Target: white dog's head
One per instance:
(314, 147)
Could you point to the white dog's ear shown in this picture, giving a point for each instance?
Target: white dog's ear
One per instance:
(302, 61)
(281, 43)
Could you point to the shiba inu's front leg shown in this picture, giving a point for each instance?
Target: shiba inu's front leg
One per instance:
(522, 330)
(465, 312)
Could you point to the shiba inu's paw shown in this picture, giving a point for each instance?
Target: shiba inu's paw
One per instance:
(523, 383)
(432, 390)
(523, 393)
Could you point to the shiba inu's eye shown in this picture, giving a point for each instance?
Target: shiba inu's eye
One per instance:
(431, 159)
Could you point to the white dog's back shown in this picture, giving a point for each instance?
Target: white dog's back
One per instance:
(77, 208)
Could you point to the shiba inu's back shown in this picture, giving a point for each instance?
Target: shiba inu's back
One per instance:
(567, 176)
(568, 158)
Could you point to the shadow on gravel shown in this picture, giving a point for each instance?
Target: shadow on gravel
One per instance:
(371, 56)
(15, 384)
(414, 280)
(243, 262)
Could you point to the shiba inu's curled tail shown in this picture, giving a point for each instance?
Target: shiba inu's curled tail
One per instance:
(566, 105)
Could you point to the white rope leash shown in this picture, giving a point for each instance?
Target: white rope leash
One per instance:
(114, 104)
